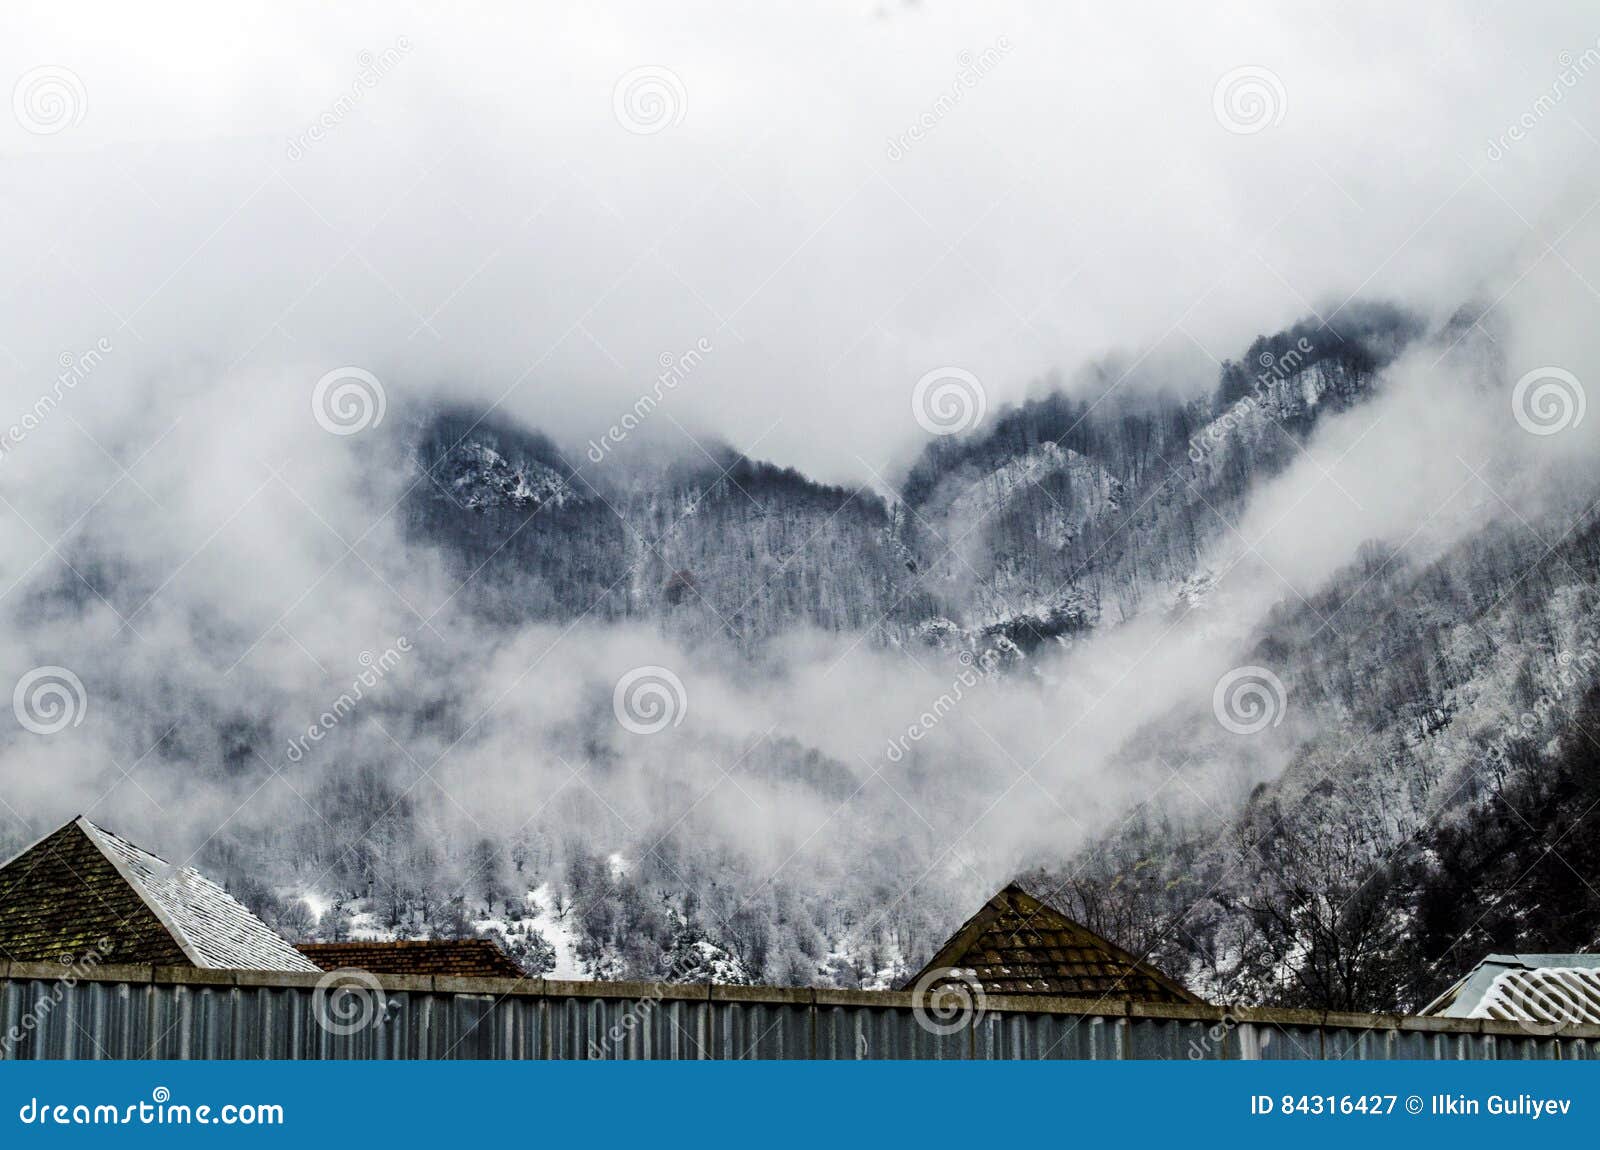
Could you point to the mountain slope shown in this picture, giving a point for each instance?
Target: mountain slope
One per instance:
(1063, 514)
(1350, 858)
(1438, 802)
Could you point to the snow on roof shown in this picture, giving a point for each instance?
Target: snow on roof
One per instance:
(213, 928)
(1547, 989)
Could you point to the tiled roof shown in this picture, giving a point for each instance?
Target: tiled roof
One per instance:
(478, 957)
(1019, 945)
(1547, 989)
(82, 884)
(63, 897)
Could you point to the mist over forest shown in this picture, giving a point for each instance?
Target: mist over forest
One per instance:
(631, 496)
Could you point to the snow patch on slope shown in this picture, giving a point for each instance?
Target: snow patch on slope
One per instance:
(482, 479)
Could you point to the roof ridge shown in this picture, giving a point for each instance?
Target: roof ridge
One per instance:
(199, 921)
(1006, 901)
(98, 835)
(211, 927)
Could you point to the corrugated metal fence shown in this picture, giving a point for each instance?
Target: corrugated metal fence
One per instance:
(140, 1012)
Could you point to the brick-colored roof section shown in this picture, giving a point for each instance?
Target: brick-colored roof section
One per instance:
(83, 889)
(1019, 945)
(457, 957)
(63, 896)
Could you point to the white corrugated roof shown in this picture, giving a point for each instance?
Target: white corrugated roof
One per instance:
(213, 928)
(1546, 989)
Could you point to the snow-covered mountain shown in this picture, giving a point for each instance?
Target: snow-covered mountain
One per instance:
(1425, 798)
(1060, 516)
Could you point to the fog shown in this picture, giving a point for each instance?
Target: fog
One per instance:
(479, 220)
(475, 207)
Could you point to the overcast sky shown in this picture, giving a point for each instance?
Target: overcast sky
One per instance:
(492, 205)
(530, 209)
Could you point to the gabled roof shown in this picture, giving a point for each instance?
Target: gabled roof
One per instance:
(1553, 989)
(464, 957)
(82, 889)
(1019, 945)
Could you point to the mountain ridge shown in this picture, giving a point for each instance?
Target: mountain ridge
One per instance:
(1030, 528)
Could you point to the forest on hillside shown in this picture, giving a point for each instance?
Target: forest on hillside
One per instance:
(1431, 798)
